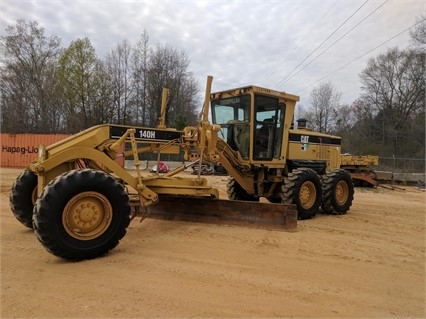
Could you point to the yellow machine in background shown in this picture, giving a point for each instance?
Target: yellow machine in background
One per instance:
(83, 200)
(361, 168)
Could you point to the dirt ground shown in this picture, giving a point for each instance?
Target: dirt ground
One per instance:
(369, 263)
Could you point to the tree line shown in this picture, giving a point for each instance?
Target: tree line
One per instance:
(46, 88)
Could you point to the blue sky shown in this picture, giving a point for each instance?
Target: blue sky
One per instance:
(265, 43)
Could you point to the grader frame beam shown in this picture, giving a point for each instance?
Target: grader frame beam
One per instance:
(58, 158)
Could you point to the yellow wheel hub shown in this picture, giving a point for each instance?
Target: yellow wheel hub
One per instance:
(341, 193)
(307, 195)
(87, 215)
(34, 195)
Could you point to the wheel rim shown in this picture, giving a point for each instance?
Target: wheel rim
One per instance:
(34, 195)
(341, 193)
(87, 215)
(307, 194)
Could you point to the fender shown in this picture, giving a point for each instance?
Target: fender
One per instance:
(58, 164)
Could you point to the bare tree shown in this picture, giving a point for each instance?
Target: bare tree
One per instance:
(393, 84)
(28, 83)
(169, 68)
(102, 98)
(119, 71)
(344, 119)
(418, 33)
(325, 101)
(360, 136)
(140, 57)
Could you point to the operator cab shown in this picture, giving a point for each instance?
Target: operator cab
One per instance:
(251, 122)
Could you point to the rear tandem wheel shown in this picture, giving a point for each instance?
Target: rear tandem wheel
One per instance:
(338, 193)
(303, 187)
(82, 214)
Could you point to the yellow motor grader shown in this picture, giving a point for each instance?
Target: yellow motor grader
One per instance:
(79, 200)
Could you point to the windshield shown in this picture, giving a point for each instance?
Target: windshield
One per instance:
(231, 110)
(233, 116)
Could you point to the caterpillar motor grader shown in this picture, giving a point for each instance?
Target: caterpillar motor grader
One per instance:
(79, 200)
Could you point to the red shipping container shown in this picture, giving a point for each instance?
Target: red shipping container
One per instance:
(18, 150)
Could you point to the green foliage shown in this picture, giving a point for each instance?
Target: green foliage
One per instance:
(81, 76)
(180, 122)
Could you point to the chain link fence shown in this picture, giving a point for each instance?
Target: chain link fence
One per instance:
(401, 170)
(401, 164)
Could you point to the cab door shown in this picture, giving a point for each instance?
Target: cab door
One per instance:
(268, 124)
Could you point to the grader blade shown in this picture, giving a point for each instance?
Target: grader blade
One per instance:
(226, 212)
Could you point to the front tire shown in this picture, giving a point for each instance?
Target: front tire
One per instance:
(338, 193)
(82, 214)
(23, 196)
(303, 187)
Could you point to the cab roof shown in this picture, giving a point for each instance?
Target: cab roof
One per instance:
(254, 89)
